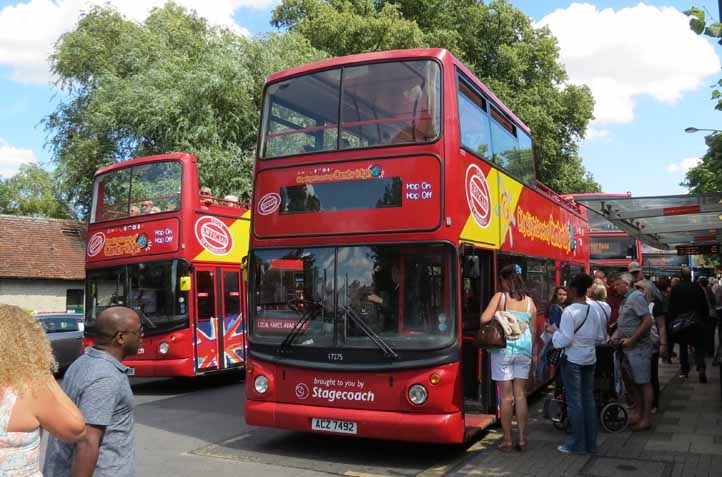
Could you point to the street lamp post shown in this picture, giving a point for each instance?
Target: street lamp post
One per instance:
(693, 129)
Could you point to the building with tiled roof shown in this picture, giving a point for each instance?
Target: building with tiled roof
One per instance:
(42, 263)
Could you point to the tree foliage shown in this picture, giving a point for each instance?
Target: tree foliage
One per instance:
(32, 192)
(172, 83)
(495, 40)
(707, 176)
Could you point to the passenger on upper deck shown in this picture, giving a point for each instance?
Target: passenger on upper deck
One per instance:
(134, 210)
(146, 207)
(231, 200)
(206, 198)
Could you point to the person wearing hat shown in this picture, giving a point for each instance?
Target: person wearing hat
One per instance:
(636, 270)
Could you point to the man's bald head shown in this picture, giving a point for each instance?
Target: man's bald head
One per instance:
(114, 320)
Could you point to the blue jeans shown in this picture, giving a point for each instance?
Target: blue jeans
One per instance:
(581, 409)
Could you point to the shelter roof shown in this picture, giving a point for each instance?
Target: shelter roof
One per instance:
(42, 248)
(664, 222)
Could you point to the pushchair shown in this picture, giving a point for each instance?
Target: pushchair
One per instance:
(608, 389)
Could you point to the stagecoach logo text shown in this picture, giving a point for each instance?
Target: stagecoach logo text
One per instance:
(95, 244)
(269, 203)
(214, 235)
(551, 232)
(301, 391)
(351, 390)
(477, 195)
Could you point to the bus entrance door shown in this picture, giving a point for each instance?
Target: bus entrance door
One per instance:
(220, 329)
(234, 322)
(208, 333)
(477, 288)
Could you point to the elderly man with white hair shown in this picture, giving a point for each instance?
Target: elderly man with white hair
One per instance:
(633, 327)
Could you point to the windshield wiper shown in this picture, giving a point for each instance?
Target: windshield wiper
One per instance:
(378, 341)
(310, 311)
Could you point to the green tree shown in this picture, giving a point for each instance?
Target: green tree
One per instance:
(32, 191)
(495, 40)
(707, 176)
(172, 83)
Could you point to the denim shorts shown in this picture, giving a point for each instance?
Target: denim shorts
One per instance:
(505, 367)
(639, 361)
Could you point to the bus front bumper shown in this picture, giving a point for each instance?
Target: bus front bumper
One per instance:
(441, 428)
(161, 368)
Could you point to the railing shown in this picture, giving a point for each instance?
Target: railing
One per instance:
(544, 189)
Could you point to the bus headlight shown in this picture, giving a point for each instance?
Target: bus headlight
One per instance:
(163, 348)
(418, 394)
(261, 384)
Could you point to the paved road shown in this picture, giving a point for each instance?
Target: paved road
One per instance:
(196, 428)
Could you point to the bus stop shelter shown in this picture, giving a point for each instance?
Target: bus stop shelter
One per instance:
(691, 224)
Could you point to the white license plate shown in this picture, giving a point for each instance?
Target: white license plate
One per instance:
(131, 372)
(332, 425)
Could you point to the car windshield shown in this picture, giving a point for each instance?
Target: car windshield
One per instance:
(346, 297)
(138, 190)
(379, 104)
(152, 289)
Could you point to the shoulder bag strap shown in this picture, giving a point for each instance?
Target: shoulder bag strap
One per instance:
(583, 321)
(503, 295)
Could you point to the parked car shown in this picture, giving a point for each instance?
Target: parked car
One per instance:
(65, 331)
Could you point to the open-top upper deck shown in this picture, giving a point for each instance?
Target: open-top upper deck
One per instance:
(153, 208)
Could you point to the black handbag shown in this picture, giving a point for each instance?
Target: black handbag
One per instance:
(556, 354)
(683, 322)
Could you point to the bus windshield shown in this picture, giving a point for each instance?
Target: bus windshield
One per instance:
(151, 289)
(342, 297)
(380, 104)
(138, 190)
(612, 248)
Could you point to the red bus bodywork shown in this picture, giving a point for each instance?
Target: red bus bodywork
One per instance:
(452, 197)
(191, 252)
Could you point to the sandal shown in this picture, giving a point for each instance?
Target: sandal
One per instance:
(521, 446)
(506, 447)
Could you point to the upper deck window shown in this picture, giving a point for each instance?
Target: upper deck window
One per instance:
(137, 190)
(489, 134)
(380, 104)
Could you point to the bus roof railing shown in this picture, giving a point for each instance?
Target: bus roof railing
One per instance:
(558, 198)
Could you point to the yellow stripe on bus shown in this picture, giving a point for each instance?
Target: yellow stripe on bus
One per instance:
(240, 230)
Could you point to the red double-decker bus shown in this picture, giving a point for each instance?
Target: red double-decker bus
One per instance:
(610, 249)
(389, 188)
(159, 246)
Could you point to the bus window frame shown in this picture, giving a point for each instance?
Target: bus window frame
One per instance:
(96, 186)
(439, 137)
(490, 105)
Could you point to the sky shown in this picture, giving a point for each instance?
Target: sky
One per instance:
(650, 75)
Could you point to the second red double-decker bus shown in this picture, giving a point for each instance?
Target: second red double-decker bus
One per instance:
(159, 244)
(389, 188)
(610, 249)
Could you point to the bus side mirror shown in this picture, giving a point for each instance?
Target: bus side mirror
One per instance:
(185, 283)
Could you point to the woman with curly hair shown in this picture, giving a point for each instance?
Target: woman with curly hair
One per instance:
(30, 398)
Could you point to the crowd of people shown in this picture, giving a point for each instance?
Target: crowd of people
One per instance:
(645, 320)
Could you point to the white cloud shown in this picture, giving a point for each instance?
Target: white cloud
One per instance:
(623, 54)
(11, 158)
(684, 165)
(29, 30)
